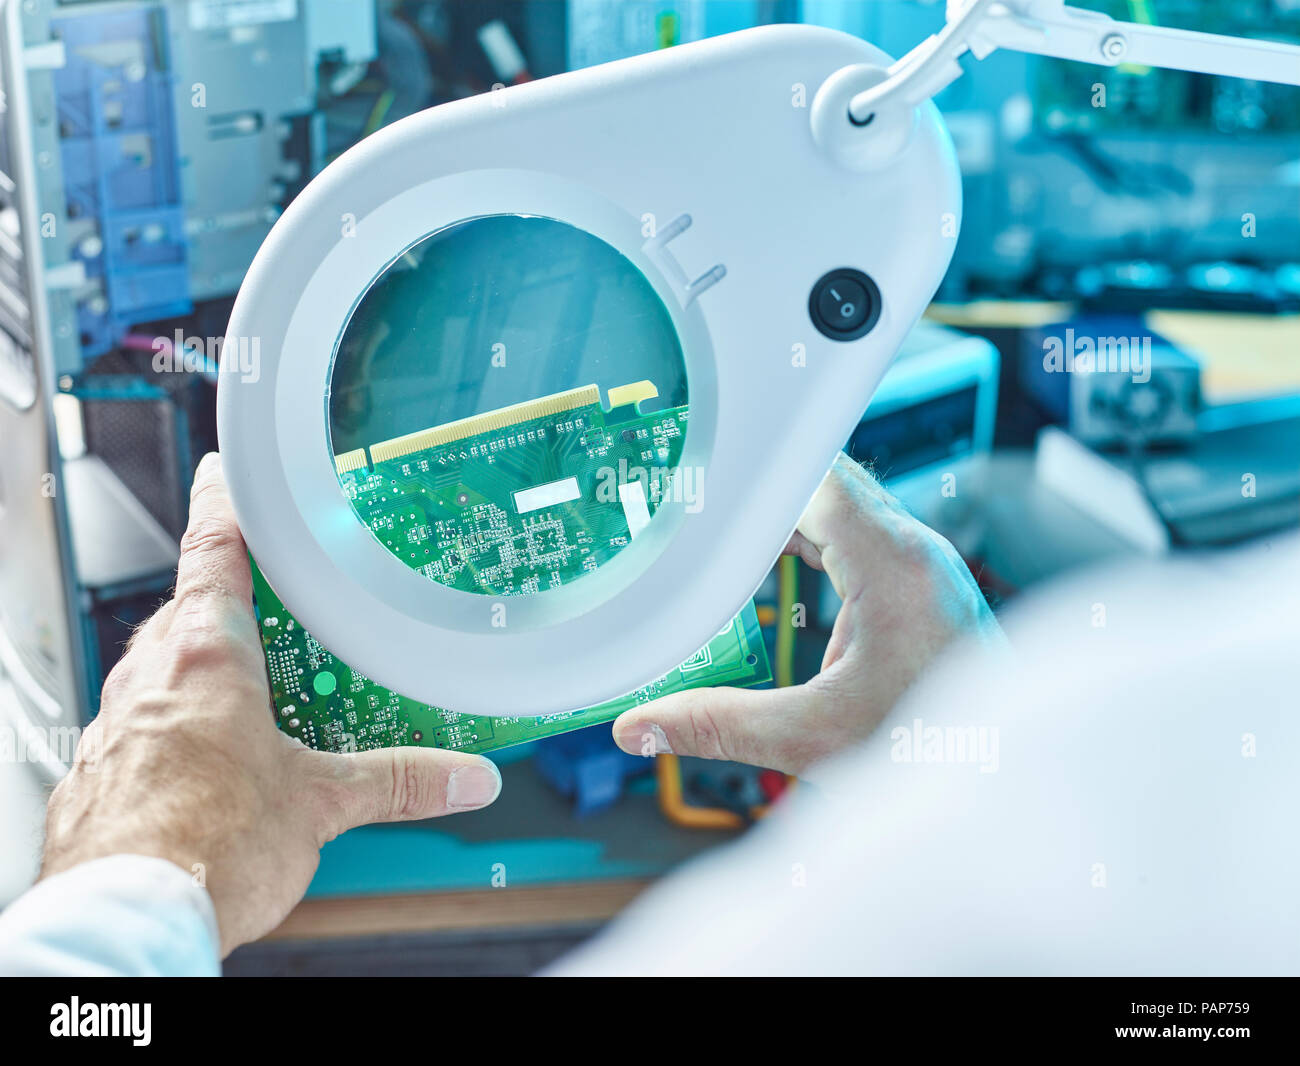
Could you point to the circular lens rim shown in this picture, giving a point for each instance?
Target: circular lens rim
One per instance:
(345, 587)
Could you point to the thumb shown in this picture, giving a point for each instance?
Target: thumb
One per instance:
(764, 727)
(213, 560)
(398, 784)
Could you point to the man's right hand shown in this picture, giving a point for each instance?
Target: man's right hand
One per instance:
(907, 596)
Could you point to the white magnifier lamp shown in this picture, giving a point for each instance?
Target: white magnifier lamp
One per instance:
(547, 376)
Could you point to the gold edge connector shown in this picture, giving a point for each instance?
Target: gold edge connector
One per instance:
(485, 423)
(349, 461)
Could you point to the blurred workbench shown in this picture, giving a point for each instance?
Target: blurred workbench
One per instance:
(1029, 533)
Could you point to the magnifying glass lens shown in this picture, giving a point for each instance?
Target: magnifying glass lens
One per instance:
(508, 405)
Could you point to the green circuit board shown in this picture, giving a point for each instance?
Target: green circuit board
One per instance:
(506, 503)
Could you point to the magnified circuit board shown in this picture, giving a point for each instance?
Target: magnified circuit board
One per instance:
(506, 503)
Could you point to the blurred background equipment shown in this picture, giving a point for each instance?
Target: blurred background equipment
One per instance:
(149, 145)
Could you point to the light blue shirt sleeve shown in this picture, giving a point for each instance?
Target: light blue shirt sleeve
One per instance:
(121, 916)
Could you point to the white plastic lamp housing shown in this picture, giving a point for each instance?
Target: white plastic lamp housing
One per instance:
(719, 131)
(869, 145)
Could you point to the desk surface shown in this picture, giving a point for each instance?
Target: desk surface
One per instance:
(528, 837)
(534, 906)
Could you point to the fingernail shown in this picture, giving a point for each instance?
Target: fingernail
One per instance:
(472, 786)
(646, 738)
(661, 745)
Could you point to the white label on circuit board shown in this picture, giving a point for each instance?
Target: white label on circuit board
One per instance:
(547, 495)
(631, 494)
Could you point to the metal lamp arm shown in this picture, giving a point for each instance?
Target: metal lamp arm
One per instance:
(1052, 28)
